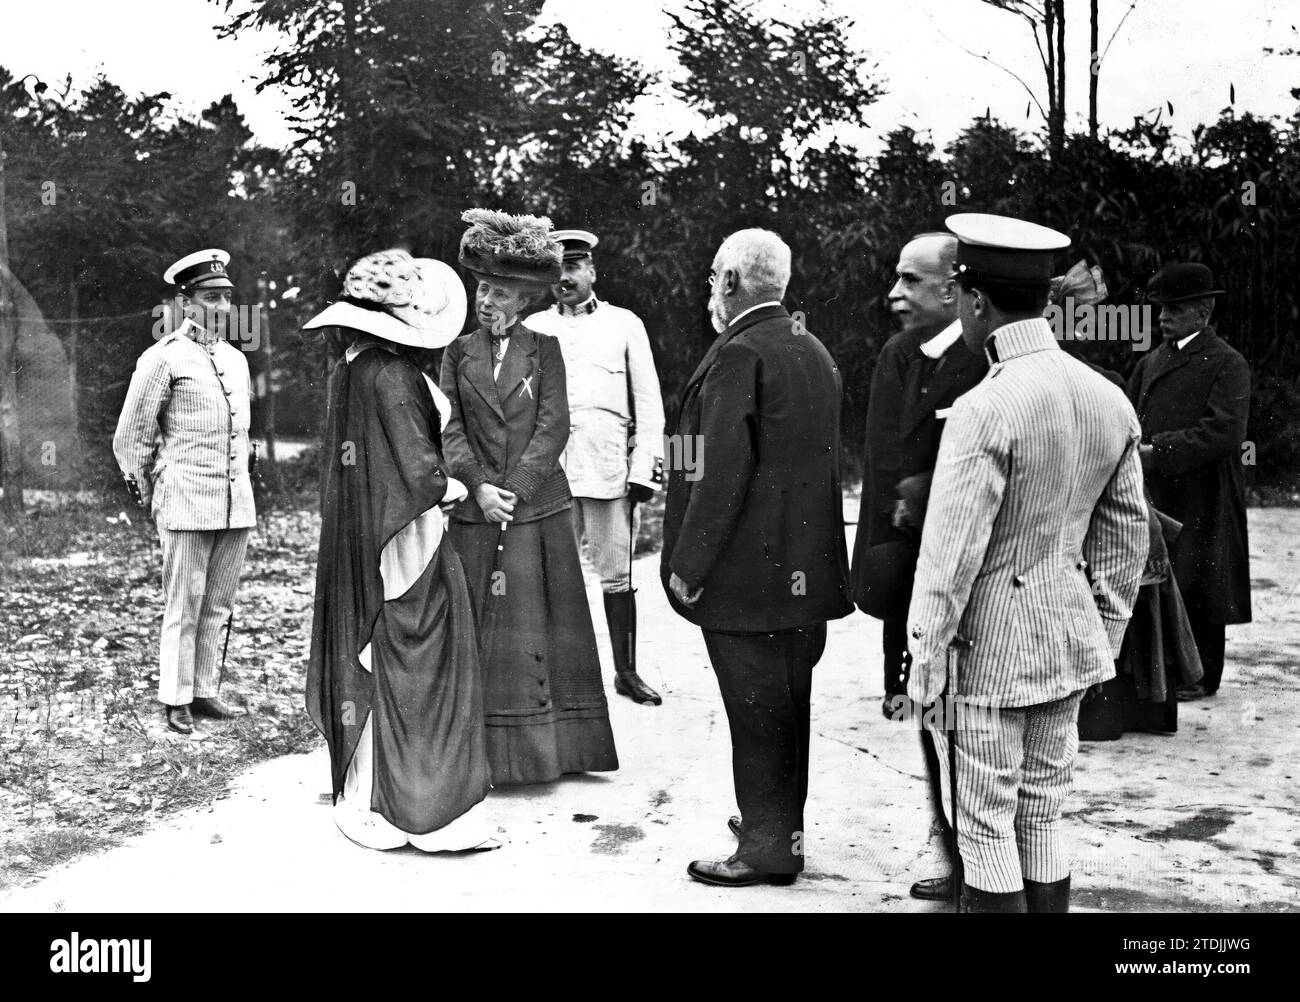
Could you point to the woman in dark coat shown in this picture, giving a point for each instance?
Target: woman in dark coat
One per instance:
(394, 682)
(546, 710)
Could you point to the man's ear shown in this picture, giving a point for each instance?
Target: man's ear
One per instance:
(949, 293)
(591, 266)
(730, 281)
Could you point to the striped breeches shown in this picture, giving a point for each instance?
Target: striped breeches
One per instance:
(1015, 767)
(200, 575)
(604, 535)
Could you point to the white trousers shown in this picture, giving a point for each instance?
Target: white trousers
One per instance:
(1015, 767)
(604, 537)
(200, 575)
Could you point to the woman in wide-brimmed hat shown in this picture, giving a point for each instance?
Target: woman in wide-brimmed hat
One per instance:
(546, 711)
(394, 681)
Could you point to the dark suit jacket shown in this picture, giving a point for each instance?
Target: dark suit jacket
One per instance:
(762, 529)
(508, 433)
(1193, 405)
(902, 440)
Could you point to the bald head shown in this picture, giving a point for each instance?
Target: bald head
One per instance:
(925, 298)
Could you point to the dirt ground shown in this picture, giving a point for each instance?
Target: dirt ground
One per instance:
(1201, 821)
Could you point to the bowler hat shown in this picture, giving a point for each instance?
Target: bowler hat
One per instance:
(1176, 283)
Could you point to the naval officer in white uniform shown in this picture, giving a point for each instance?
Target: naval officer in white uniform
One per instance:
(614, 458)
(182, 444)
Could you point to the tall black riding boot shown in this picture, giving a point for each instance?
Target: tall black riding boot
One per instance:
(1044, 899)
(975, 901)
(620, 614)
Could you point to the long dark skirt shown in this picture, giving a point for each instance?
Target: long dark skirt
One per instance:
(545, 704)
(430, 765)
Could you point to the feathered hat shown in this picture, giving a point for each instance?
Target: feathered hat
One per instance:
(522, 248)
(413, 301)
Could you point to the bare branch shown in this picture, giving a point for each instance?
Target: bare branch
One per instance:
(993, 62)
(1116, 31)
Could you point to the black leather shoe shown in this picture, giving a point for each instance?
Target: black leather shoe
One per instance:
(733, 873)
(1190, 693)
(215, 707)
(733, 823)
(933, 889)
(628, 683)
(179, 719)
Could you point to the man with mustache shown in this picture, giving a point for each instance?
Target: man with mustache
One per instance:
(1192, 395)
(920, 372)
(754, 548)
(614, 457)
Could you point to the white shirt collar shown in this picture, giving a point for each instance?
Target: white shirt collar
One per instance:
(759, 306)
(1183, 343)
(938, 345)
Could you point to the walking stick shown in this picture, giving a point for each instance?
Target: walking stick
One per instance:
(958, 645)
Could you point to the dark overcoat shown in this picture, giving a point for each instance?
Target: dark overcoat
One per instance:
(908, 391)
(1193, 405)
(758, 521)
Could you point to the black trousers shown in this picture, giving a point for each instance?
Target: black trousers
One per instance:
(898, 668)
(766, 685)
(898, 663)
(1209, 644)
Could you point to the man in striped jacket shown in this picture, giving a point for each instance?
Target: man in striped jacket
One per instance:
(182, 444)
(1033, 546)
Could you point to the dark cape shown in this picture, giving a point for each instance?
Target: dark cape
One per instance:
(383, 468)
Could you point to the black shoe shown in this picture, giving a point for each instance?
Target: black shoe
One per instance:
(215, 707)
(733, 873)
(977, 902)
(620, 615)
(1191, 693)
(1045, 899)
(933, 889)
(733, 823)
(628, 683)
(179, 719)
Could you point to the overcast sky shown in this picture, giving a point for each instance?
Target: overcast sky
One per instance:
(1183, 51)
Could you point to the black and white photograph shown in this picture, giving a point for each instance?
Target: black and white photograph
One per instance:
(802, 457)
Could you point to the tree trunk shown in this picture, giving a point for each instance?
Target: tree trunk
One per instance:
(11, 446)
(1094, 70)
(74, 337)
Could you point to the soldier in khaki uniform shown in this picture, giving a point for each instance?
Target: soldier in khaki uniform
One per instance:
(614, 457)
(182, 444)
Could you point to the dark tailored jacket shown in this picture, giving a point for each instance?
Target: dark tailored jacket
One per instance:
(511, 432)
(902, 440)
(762, 528)
(1193, 405)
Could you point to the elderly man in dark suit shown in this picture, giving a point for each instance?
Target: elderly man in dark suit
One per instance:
(1192, 395)
(921, 371)
(754, 548)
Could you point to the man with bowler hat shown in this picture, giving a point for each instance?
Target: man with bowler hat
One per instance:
(1192, 395)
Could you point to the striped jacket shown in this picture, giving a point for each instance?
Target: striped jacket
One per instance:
(183, 434)
(1036, 532)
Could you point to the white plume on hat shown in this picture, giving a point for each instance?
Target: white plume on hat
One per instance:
(412, 301)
